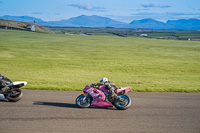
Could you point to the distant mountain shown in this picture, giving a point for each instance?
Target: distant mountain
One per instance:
(147, 24)
(80, 21)
(89, 21)
(98, 21)
(190, 24)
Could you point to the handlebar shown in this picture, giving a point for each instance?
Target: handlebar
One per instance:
(94, 85)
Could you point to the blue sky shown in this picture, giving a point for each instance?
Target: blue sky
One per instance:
(121, 10)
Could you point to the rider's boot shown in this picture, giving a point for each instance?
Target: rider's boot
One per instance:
(112, 96)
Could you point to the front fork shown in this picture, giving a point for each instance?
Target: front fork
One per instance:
(85, 97)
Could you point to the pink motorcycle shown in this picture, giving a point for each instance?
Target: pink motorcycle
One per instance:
(97, 96)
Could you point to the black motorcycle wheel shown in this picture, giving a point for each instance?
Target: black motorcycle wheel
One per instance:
(122, 102)
(15, 95)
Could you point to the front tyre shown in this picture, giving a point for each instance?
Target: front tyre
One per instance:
(83, 103)
(122, 102)
(15, 95)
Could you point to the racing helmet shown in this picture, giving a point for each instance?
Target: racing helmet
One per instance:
(103, 80)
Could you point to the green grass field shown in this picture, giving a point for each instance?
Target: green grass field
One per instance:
(69, 62)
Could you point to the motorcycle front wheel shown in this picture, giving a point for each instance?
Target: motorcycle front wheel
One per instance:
(122, 102)
(83, 103)
(15, 95)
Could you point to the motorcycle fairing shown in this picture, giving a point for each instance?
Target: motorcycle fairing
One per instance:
(125, 89)
(101, 103)
(19, 82)
(98, 97)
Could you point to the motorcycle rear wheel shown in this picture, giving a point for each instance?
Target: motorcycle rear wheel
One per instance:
(15, 95)
(80, 102)
(122, 102)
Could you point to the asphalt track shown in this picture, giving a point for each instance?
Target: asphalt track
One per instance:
(55, 112)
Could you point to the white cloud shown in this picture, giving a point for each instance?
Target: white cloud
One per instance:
(36, 13)
(88, 7)
(155, 5)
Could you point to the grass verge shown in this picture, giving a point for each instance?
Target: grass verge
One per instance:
(69, 62)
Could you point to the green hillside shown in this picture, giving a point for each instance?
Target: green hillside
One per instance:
(69, 62)
(22, 25)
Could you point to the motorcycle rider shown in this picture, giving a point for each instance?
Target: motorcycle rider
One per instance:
(109, 85)
(3, 81)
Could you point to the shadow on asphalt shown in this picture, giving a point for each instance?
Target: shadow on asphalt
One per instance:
(68, 105)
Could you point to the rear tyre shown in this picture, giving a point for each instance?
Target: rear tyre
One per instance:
(122, 102)
(15, 95)
(80, 102)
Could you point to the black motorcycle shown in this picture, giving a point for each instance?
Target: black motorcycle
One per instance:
(11, 90)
